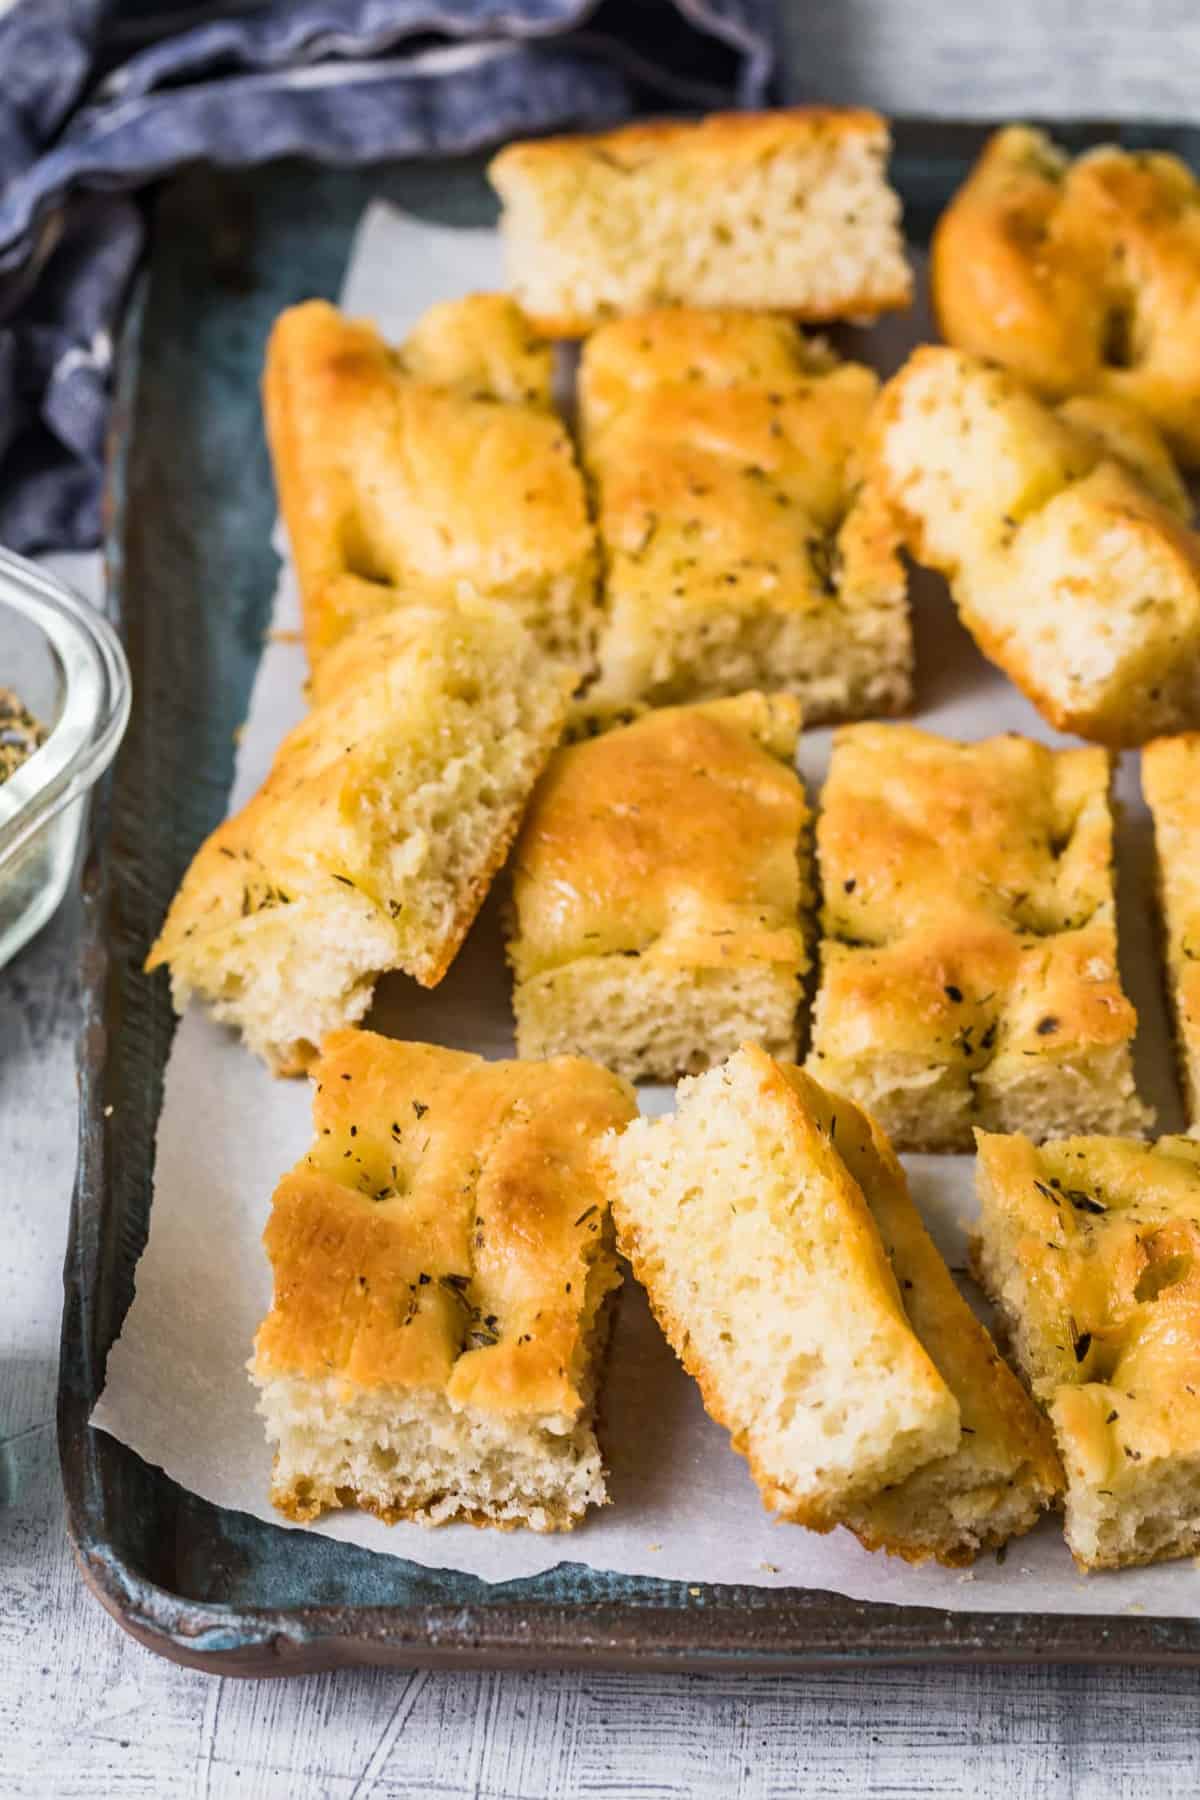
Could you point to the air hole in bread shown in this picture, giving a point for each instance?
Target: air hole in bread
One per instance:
(1119, 350)
(1165, 1272)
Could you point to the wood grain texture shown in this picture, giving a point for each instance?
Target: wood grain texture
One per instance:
(85, 1713)
(1136, 59)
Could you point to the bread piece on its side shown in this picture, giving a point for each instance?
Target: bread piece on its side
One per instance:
(1091, 1247)
(1066, 569)
(1005, 1471)
(1171, 784)
(660, 887)
(441, 1256)
(373, 840)
(969, 949)
(789, 210)
(765, 1269)
(1080, 276)
(428, 470)
(741, 547)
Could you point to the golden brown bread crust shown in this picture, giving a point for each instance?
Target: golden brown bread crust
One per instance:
(798, 1112)
(381, 456)
(1011, 1445)
(1080, 276)
(714, 138)
(968, 922)
(309, 858)
(1171, 784)
(1091, 1246)
(740, 544)
(302, 1511)
(637, 938)
(696, 155)
(626, 846)
(1060, 533)
(441, 1232)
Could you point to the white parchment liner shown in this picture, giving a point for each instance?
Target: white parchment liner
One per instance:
(683, 1505)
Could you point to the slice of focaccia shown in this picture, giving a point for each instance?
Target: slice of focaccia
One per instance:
(1091, 1247)
(428, 470)
(742, 548)
(1060, 535)
(640, 935)
(442, 1257)
(376, 835)
(788, 209)
(766, 1270)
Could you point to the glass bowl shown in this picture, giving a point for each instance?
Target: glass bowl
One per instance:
(65, 663)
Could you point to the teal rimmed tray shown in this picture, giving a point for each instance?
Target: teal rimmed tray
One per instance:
(191, 575)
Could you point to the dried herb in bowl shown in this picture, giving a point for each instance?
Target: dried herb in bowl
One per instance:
(20, 733)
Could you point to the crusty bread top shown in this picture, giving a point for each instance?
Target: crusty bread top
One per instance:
(1078, 275)
(726, 451)
(317, 826)
(1092, 1244)
(968, 902)
(788, 210)
(1061, 533)
(765, 1268)
(422, 470)
(483, 347)
(1171, 784)
(966, 453)
(679, 832)
(445, 1230)
(1007, 1431)
(716, 139)
(697, 349)
(730, 408)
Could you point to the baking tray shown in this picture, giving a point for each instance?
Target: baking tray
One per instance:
(191, 575)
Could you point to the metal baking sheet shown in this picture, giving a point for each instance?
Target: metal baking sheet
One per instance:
(192, 573)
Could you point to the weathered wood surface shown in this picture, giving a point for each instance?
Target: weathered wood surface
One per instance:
(85, 1713)
(1092, 59)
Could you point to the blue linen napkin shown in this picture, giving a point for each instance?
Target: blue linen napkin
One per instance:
(100, 96)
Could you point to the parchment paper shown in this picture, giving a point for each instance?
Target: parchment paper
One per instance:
(683, 1505)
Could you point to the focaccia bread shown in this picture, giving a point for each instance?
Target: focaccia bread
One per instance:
(431, 470)
(441, 1257)
(1004, 1471)
(789, 210)
(1080, 276)
(969, 949)
(1171, 784)
(376, 835)
(765, 1269)
(1091, 1247)
(741, 549)
(1067, 570)
(661, 889)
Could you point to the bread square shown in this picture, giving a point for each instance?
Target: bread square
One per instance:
(969, 950)
(638, 938)
(1004, 1472)
(788, 209)
(765, 1269)
(1078, 275)
(442, 1257)
(1091, 1247)
(427, 471)
(1066, 566)
(376, 835)
(1171, 783)
(741, 549)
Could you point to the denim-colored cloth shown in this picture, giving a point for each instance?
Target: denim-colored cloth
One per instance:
(100, 96)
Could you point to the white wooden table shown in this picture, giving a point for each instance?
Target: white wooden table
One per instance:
(85, 1712)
